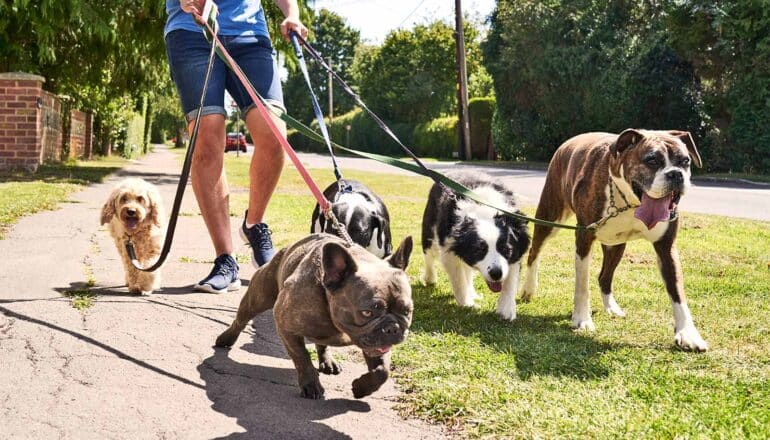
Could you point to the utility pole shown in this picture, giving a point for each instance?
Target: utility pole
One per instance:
(330, 86)
(462, 85)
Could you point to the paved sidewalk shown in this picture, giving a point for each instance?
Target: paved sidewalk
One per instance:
(143, 366)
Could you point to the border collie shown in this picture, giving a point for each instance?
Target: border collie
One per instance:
(467, 236)
(362, 212)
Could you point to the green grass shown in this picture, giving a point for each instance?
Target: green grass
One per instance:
(24, 193)
(534, 377)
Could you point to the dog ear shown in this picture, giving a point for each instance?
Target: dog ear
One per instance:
(627, 139)
(400, 258)
(686, 138)
(337, 265)
(379, 223)
(156, 212)
(108, 209)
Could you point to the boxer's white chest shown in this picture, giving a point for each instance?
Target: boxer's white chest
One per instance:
(625, 227)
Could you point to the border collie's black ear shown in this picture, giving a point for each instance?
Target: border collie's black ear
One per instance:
(627, 139)
(400, 258)
(686, 138)
(337, 265)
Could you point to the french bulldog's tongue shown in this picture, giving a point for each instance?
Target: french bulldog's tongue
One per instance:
(383, 350)
(495, 286)
(652, 211)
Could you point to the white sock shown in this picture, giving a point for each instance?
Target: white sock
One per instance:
(250, 225)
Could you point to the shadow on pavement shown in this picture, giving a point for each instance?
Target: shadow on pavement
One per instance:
(103, 346)
(266, 401)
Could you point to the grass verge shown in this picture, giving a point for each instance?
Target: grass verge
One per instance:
(24, 193)
(534, 377)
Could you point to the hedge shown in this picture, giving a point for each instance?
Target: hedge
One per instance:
(480, 112)
(437, 138)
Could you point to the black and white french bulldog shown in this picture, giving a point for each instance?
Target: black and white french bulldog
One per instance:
(466, 236)
(363, 214)
(329, 293)
(631, 184)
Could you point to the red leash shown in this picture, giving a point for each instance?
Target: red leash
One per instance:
(324, 204)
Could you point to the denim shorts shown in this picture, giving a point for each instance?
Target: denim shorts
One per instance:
(188, 54)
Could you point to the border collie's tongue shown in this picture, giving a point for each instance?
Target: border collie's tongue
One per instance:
(495, 286)
(652, 211)
(382, 350)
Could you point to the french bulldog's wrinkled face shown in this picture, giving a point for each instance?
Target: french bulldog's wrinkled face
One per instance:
(655, 163)
(370, 299)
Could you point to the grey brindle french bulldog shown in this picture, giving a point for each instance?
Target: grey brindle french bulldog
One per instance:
(329, 293)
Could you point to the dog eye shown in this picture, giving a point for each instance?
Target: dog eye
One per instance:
(652, 161)
(140, 199)
(685, 162)
(123, 198)
(366, 313)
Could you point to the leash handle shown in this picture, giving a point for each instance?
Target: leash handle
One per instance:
(319, 116)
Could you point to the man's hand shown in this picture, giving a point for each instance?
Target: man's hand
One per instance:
(192, 6)
(292, 23)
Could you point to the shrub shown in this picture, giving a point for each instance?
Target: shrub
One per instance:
(364, 135)
(437, 138)
(480, 112)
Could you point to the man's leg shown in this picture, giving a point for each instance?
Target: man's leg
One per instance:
(209, 182)
(266, 164)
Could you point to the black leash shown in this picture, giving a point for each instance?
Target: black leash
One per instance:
(182, 182)
(316, 107)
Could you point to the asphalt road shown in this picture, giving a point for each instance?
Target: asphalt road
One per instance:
(732, 199)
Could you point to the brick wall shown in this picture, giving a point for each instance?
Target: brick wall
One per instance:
(77, 134)
(20, 121)
(51, 129)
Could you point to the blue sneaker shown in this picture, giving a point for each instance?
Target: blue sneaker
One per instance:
(258, 237)
(223, 277)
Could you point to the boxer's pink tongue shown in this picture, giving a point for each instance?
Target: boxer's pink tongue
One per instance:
(652, 211)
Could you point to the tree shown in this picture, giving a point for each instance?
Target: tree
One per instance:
(411, 77)
(572, 66)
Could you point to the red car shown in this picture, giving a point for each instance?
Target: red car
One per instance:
(235, 141)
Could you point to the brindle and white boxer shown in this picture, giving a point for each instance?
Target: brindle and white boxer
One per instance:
(631, 183)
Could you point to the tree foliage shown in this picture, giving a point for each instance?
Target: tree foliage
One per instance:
(570, 66)
(412, 76)
(332, 38)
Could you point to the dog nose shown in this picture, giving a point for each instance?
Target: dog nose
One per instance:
(131, 212)
(496, 273)
(392, 328)
(675, 176)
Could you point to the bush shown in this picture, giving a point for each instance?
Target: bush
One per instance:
(133, 141)
(364, 135)
(437, 138)
(480, 112)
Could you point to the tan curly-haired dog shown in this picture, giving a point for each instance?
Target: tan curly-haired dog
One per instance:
(134, 209)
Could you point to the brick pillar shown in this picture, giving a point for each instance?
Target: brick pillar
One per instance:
(88, 142)
(20, 121)
(77, 134)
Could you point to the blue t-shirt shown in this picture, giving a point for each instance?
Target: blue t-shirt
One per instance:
(236, 17)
